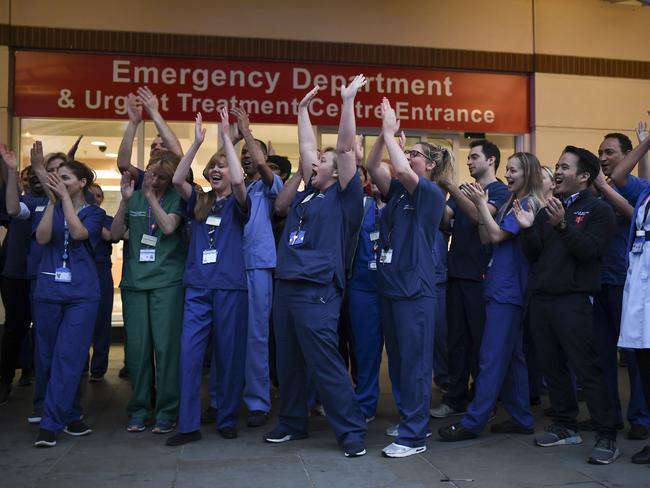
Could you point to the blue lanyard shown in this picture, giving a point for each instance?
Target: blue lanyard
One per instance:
(216, 211)
(66, 238)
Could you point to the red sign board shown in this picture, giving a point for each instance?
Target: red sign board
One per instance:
(95, 86)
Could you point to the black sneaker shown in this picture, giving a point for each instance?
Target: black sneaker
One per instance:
(124, 372)
(455, 432)
(638, 432)
(354, 450)
(35, 417)
(209, 416)
(510, 427)
(604, 452)
(77, 428)
(642, 457)
(5, 391)
(277, 436)
(183, 438)
(46, 438)
(257, 418)
(228, 433)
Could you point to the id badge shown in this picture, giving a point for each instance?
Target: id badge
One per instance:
(149, 240)
(297, 237)
(40, 208)
(63, 275)
(209, 256)
(386, 256)
(637, 245)
(213, 220)
(147, 255)
(374, 236)
(372, 265)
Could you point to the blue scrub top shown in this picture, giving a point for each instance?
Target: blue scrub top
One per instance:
(81, 262)
(330, 220)
(104, 249)
(259, 243)
(363, 278)
(408, 227)
(614, 263)
(440, 250)
(16, 248)
(36, 206)
(635, 192)
(507, 274)
(229, 272)
(468, 258)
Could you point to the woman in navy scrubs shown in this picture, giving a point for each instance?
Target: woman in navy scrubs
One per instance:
(312, 255)
(216, 300)
(407, 278)
(502, 363)
(66, 297)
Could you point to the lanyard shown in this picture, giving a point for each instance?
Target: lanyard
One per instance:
(390, 220)
(66, 238)
(301, 208)
(217, 207)
(645, 214)
(151, 219)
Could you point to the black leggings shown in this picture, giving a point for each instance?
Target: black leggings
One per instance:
(643, 359)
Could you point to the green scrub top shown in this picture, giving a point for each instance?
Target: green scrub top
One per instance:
(169, 252)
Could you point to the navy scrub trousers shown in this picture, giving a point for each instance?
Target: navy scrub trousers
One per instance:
(305, 317)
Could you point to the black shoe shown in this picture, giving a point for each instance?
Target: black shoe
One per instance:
(638, 432)
(228, 433)
(209, 416)
(5, 391)
(455, 432)
(46, 438)
(354, 450)
(77, 428)
(183, 438)
(257, 418)
(642, 457)
(549, 412)
(124, 372)
(25, 378)
(510, 427)
(277, 436)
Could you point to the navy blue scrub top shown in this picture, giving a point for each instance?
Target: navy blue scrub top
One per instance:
(104, 249)
(440, 251)
(229, 271)
(364, 278)
(36, 206)
(468, 258)
(507, 274)
(81, 261)
(614, 263)
(16, 248)
(330, 220)
(408, 227)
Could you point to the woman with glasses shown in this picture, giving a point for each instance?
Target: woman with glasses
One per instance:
(406, 272)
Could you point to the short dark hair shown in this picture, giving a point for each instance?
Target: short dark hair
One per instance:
(588, 162)
(490, 150)
(623, 141)
(263, 147)
(281, 162)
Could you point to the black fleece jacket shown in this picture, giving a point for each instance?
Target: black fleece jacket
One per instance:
(569, 261)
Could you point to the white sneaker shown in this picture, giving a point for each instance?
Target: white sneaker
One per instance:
(443, 411)
(393, 431)
(398, 451)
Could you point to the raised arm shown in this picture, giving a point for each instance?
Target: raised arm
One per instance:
(179, 179)
(234, 166)
(12, 192)
(150, 103)
(618, 201)
(77, 229)
(306, 138)
(243, 124)
(127, 184)
(625, 167)
(73, 150)
(378, 172)
(168, 222)
(287, 194)
(345, 142)
(644, 166)
(38, 166)
(134, 111)
(390, 126)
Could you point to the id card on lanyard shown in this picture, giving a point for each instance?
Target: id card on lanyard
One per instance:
(640, 233)
(213, 221)
(63, 274)
(386, 256)
(374, 241)
(297, 237)
(148, 254)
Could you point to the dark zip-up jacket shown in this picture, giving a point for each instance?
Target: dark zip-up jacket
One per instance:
(569, 260)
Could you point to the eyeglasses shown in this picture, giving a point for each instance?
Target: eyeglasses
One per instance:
(414, 152)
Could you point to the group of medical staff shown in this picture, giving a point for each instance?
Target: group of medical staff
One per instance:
(203, 276)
